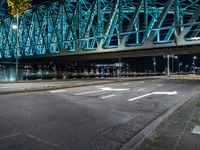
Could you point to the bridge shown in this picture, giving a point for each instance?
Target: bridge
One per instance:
(102, 28)
(3, 10)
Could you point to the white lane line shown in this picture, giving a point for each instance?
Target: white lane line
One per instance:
(160, 85)
(101, 90)
(4, 87)
(57, 91)
(107, 96)
(132, 99)
(126, 84)
(88, 92)
(142, 89)
(100, 86)
(154, 93)
(111, 89)
(10, 136)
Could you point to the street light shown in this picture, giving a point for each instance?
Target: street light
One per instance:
(15, 27)
(186, 68)
(179, 67)
(17, 8)
(154, 64)
(194, 58)
(173, 68)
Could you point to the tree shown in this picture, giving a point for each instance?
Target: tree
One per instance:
(17, 8)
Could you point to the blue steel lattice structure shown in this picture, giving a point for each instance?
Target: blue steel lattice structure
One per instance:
(3, 11)
(71, 27)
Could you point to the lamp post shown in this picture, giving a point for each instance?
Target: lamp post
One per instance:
(179, 67)
(173, 69)
(120, 62)
(194, 58)
(16, 27)
(17, 8)
(168, 66)
(186, 66)
(154, 64)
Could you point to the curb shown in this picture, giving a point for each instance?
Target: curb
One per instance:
(50, 87)
(55, 87)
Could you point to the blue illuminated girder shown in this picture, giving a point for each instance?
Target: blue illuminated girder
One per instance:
(82, 27)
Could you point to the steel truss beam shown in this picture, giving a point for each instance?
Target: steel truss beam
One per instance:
(74, 27)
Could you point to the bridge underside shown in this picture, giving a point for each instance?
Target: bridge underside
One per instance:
(119, 54)
(85, 29)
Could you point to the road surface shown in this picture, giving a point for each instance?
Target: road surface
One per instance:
(99, 117)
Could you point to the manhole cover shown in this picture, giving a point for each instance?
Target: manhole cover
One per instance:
(196, 130)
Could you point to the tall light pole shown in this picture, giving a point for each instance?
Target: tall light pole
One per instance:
(16, 27)
(186, 66)
(17, 8)
(120, 62)
(176, 58)
(168, 66)
(194, 58)
(179, 67)
(154, 64)
(173, 64)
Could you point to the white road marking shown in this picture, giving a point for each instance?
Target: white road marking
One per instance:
(126, 84)
(88, 92)
(101, 90)
(154, 93)
(107, 96)
(42, 141)
(111, 89)
(142, 89)
(4, 87)
(141, 81)
(100, 86)
(10, 136)
(160, 85)
(57, 91)
(196, 130)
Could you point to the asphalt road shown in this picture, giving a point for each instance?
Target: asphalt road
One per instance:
(101, 117)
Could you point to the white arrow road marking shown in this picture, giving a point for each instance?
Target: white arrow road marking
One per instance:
(142, 89)
(57, 91)
(100, 86)
(88, 92)
(101, 90)
(107, 96)
(126, 84)
(154, 93)
(110, 89)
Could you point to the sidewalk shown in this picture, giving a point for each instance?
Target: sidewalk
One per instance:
(175, 133)
(191, 76)
(41, 85)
